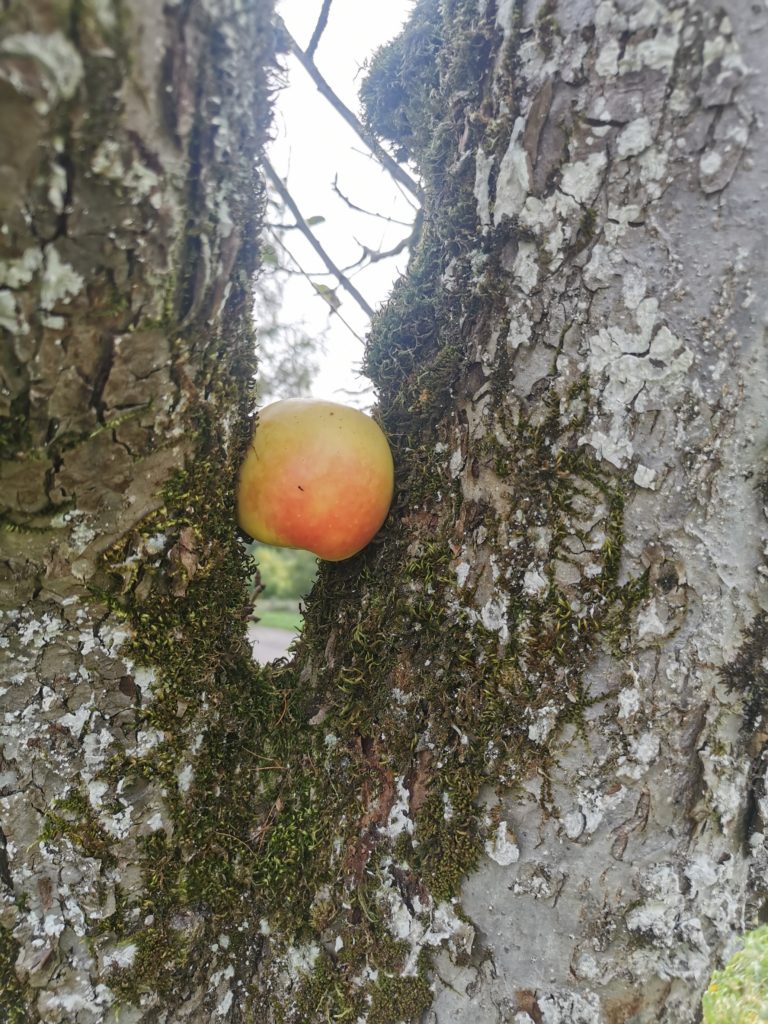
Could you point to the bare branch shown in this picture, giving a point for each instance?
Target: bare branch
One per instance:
(300, 270)
(305, 229)
(375, 255)
(322, 21)
(370, 256)
(360, 209)
(394, 168)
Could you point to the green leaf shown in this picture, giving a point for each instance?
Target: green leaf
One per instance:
(269, 255)
(328, 294)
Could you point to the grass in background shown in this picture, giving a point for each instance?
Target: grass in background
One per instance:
(739, 993)
(287, 576)
(279, 618)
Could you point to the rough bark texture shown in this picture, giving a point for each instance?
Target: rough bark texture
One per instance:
(129, 135)
(516, 770)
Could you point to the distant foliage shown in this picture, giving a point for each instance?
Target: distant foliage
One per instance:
(288, 354)
(739, 993)
(285, 572)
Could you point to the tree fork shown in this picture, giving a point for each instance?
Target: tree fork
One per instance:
(516, 768)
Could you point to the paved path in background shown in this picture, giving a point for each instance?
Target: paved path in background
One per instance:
(269, 643)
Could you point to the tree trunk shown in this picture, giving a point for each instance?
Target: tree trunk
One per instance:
(515, 770)
(131, 206)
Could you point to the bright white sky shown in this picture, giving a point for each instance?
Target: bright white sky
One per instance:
(312, 145)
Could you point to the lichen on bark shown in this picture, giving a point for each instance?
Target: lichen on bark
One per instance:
(533, 669)
(132, 206)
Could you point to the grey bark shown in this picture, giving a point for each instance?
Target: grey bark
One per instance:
(615, 885)
(129, 135)
(558, 642)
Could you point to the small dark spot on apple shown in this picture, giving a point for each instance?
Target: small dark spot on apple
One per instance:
(300, 487)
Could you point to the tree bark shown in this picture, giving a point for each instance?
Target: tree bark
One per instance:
(131, 206)
(516, 769)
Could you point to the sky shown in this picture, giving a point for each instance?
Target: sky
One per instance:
(311, 146)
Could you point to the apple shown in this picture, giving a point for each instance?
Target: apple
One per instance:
(318, 476)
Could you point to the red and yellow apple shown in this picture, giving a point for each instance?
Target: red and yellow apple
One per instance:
(318, 476)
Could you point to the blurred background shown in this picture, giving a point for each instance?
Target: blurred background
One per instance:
(311, 331)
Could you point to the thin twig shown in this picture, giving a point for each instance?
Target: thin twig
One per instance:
(394, 168)
(305, 229)
(304, 274)
(322, 21)
(375, 255)
(360, 209)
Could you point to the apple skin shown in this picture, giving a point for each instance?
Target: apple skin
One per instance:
(317, 476)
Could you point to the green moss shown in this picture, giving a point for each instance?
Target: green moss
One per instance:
(747, 672)
(326, 995)
(395, 1000)
(74, 818)
(739, 993)
(397, 681)
(547, 27)
(15, 434)
(12, 1000)
(400, 80)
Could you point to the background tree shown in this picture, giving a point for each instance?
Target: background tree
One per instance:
(516, 769)
(288, 352)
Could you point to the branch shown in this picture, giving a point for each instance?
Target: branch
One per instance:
(300, 270)
(360, 209)
(398, 173)
(375, 255)
(305, 229)
(322, 21)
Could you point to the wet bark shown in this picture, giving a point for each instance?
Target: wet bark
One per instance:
(516, 768)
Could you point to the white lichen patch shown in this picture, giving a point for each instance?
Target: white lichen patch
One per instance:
(643, 370)
(147, 740)
(535, 583)
(513, 179)
(399, 820)
(301, 959)
(726, 779)
(657, 51)
(646, 477)
(9, 314)
(493, 616)
(483, 167)
(61, 62)
(462, 573)
(110, 161)
(76, 721)
(57, 187)
(628, 701)
(582, 179)
(17, 273)
(105, 13)
(526, 268)
(120, 957)
(75, 997)
(422, 924)
(634, 138)
(643, 752)
(649, 621)
(184, 778)
(593, 804)
(502, 847)
(569, 1008)
(544, 720)
(60, 281)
